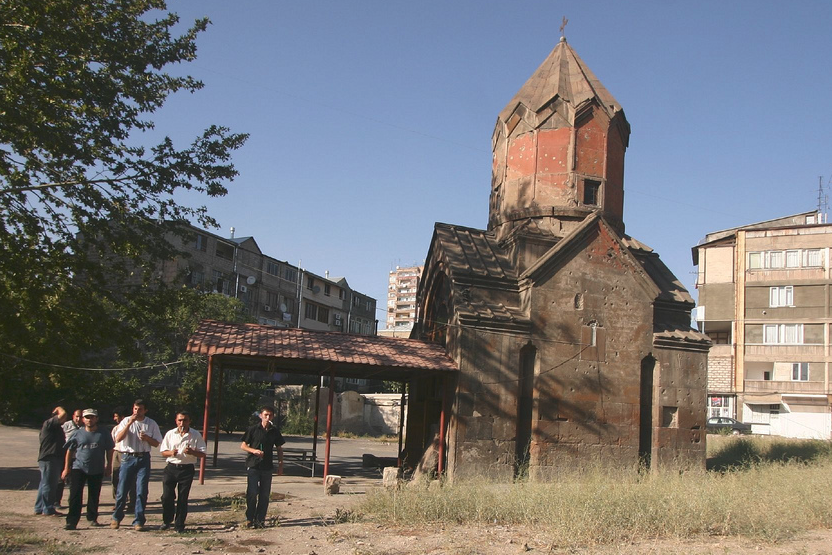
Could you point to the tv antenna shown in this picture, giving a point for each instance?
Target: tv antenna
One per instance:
(823, 201)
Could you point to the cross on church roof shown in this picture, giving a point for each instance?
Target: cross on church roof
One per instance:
(562, 27)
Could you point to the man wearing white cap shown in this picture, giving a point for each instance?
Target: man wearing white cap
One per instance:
(93, 459)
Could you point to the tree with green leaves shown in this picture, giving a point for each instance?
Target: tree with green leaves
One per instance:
(79, 82)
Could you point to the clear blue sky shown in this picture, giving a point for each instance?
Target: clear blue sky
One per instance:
(371, 120)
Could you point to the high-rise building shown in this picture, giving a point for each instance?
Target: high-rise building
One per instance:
(401, 296)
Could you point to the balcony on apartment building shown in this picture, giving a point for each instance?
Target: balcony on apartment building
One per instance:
(788, 386)
(778, 352)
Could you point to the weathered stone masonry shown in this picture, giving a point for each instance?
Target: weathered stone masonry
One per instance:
(573, 340)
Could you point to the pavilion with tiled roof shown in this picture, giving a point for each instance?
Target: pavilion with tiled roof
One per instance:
(301, 351)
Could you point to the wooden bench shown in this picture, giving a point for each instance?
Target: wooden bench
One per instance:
(300, 457)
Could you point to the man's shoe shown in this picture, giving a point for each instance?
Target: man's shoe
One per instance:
(258, 524)
(249, 524)
(95, 523)
(114, 524)
(69, 527)
(164, 526)
(180, 529)
(139, 528)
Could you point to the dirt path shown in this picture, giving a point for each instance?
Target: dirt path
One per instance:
(304, 518)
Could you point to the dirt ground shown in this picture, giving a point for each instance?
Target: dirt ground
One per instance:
(303, 518)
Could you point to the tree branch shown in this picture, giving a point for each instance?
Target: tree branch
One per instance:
(72, 183)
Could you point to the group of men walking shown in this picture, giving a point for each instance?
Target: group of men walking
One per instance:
(84, 455)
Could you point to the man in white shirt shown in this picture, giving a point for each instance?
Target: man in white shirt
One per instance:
(138, 434)
(182, 447)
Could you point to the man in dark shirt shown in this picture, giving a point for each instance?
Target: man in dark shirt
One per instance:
(259, 442)
(50, 461)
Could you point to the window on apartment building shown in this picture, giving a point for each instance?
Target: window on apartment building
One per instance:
(342, 294)
(271, 300)
(760, 414)
(783, 334)
(225, 251)
(719, 405)
(356, 300)
(290, 274)
(272, 268)
(221, 283)
(368, 305)
(327, 289)
(794, 258)
(355, 325)
(287, 304)
(812, 258)
(800, 371)
(781, 296)
(201, 243)
(197, 277)
(323, 314)
(310, 282)
(720, 337)
(317, 312)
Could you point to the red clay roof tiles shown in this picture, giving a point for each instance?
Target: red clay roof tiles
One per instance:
(254, 340)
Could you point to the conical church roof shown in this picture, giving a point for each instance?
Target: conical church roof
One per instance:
(562, 74)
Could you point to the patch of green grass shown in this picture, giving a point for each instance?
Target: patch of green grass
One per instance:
(235, 502)
(210, 544)
(20, 540)
(13, 540)
(738, 452)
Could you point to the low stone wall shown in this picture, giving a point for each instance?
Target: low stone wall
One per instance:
(372, 414)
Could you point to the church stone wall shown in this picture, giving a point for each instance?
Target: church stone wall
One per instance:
(589, 398)
(485, 405)
(679, 433)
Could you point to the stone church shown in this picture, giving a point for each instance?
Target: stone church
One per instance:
(572, 339)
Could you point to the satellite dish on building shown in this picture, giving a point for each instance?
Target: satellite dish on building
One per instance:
(250, 280)
(316, 289)
(282, 307)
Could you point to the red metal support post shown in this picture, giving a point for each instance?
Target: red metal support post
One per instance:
(315, 422)
(219, 413)
(329, 420)
(205, 415)
(401, 422)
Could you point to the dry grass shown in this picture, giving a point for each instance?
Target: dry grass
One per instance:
(597, 506)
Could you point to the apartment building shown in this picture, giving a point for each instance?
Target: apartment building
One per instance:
(764, 300)
(401, 297)
(273, 291)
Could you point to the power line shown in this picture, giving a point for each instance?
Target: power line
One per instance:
(65, 367)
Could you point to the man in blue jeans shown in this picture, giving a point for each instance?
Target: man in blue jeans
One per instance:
(138, 434)
(259, 442)
(50, 461)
